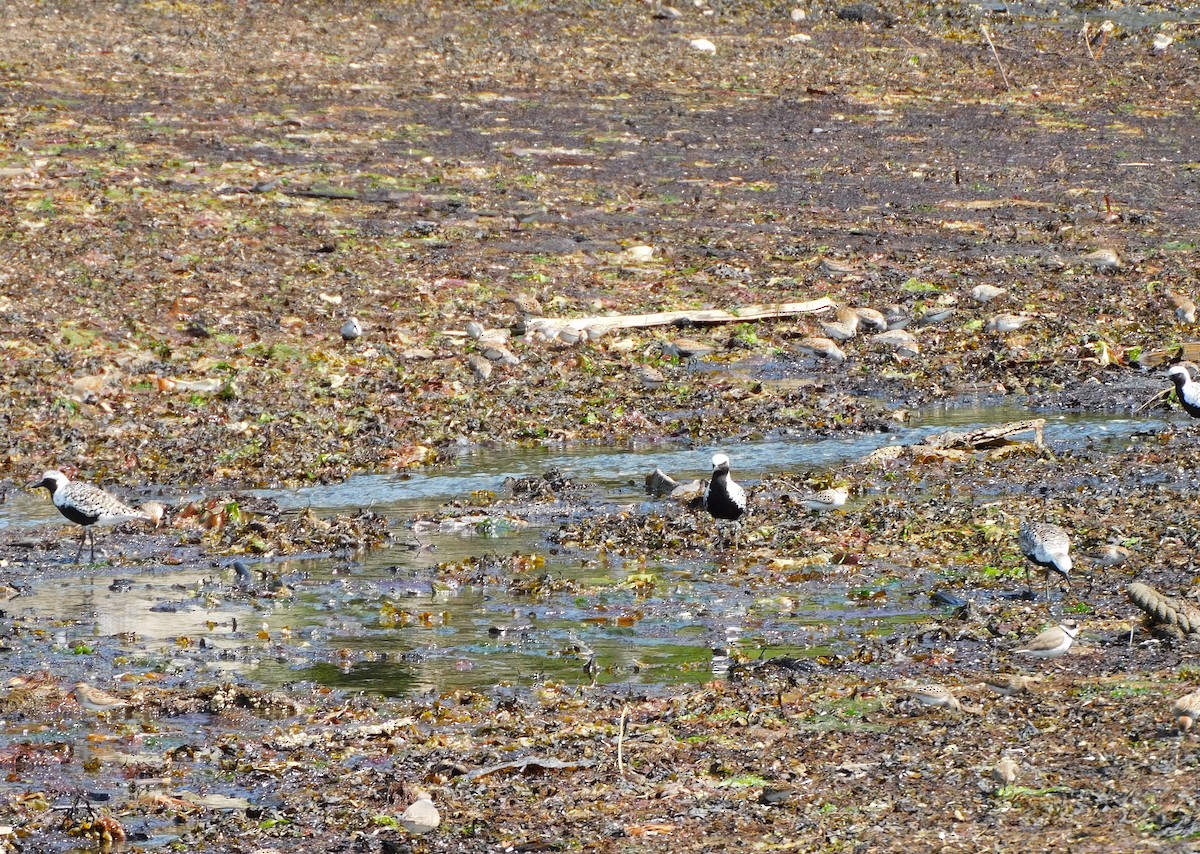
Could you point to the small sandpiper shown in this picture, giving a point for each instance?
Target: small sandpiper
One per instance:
(845, 327)
(1186, 388)
(900, 341)
(1049, 547)
(984, 294)
(824, 348)
(421, 816)
(1185, 307)
(932, 695)
(1053, 642)
(1185, 711)
(871, 318)
(1003, 323)
(1011, 684)
(95, 700)
(86, 505)
(827, 499)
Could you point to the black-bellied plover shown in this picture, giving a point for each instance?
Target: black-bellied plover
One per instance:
(723, 498)
(86, 505)
(1186, 388)
(1049, 547)
(1053, 642)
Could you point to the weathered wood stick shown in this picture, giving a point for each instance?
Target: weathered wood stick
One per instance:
(550, 327)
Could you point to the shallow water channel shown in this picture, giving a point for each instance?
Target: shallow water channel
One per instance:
(381, 622)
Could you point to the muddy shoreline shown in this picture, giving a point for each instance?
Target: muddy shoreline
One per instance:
(196, 197)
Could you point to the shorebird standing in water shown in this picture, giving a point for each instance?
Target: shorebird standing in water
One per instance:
(86, 505)
(1049, 547)
(724, 500)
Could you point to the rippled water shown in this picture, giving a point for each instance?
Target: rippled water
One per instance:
(331, 631)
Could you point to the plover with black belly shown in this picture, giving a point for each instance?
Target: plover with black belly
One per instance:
(86, 505)
(1049, 547)
(724, 500)
(1187, 389)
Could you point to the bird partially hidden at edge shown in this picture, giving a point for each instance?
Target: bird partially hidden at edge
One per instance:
(724, 499)
(1186, 388)
(1049, 547)
(86, 505)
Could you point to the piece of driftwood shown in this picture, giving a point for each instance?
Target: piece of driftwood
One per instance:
(550, 327)
(988, 437)
(1187, 351)
(1167, 614)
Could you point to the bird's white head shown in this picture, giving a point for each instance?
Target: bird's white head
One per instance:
(52, 480)
(720, 462)
(1179, 374)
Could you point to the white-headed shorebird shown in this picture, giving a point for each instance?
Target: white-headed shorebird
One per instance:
(1049, 547)
(1186, 388)
(86, 505)
(421, 816)
(723, 498)
(1053, 642)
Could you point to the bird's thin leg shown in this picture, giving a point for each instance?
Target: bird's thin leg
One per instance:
(82, 540)
(93, 555)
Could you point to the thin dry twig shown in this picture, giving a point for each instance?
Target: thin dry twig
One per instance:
(621, 741)
(996, 56)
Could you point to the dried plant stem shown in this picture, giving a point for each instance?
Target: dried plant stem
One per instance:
(621, 741)
(996, 56)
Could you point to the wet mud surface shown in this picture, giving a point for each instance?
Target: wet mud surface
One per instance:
(197, 196)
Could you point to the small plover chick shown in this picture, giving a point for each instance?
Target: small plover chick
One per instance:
(1053, 642)
(1005, 771)
(86, 505)
(1047, 546)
